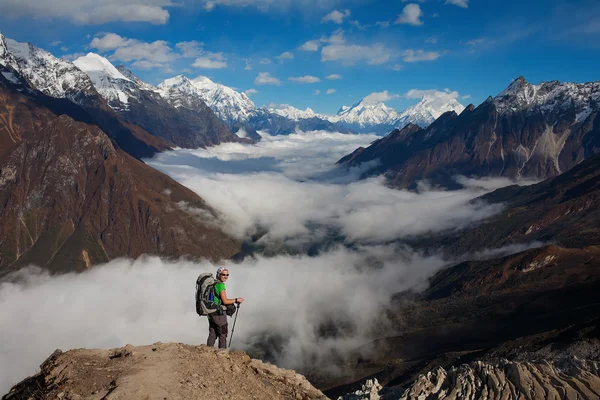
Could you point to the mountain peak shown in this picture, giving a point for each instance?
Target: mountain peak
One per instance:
(97, 66)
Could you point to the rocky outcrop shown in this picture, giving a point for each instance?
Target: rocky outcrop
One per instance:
(568, 379)
(71, 198)
(527, 131)
(161, 371)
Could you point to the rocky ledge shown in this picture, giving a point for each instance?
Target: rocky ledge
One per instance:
(161, 371)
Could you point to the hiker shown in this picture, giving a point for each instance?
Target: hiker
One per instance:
(218, 321)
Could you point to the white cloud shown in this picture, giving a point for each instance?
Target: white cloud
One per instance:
(264, 78)
(333, 77)
(111, 41)
(304, 79)
(157, 52)
(265, 61)
(72, 57)
(190, 49)
(419, 55)
(250, 92)
(286, 55)
(411, 15)
(379, 97)
(465, 97)
(272, 5)
(248, 66)
(397, 67)
(311, 45)
(288, 186)
(330, 91)
(460, 3)
(55, 43)
(144, 55)
(352, 53)
(147, 65)
(317, 91)
(432, 40)
(383, 24)
(90, 12)
(336, 16)
(210, 61)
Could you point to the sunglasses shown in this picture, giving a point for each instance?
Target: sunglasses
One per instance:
(224, 274)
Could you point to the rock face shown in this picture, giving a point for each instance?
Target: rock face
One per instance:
(160, 371)
(70, 198)
(570, 379)
(527, 131)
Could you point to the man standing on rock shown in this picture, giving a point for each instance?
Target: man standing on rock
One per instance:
(217, 322)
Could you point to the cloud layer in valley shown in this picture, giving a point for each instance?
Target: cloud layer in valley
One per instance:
(287, 186)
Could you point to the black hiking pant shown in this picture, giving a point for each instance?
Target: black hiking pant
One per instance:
(218, 328)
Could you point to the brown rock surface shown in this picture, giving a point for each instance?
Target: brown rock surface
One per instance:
(70, 198)
(161, 371)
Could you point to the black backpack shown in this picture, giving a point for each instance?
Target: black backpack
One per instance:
(205, 295)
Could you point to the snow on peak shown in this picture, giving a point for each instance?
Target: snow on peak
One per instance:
(431, 106)
(548, 97)
(293, 113)
(3, 49)
(51, 75)
(108, 81)
(366, 113)
(229, 105)
(97, 65)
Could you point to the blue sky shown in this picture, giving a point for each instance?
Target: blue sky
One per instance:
(279, 48)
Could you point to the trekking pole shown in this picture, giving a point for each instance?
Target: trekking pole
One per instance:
(234, 321)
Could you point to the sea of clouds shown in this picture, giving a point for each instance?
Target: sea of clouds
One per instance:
(289, 189)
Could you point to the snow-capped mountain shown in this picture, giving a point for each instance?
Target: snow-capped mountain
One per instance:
(549, 97)
(230, 106)
(427, 110)
(186, 121)
(293, 113)
(365, 115)
(46, 73)
(370, 116)
(108, 81)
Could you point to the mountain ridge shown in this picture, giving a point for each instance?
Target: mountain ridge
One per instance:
(535, 133)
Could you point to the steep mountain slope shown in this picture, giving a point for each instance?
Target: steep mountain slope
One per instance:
(60, 79)
(70, 199)
(564, 210)
(193, 125)
(526, 131)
